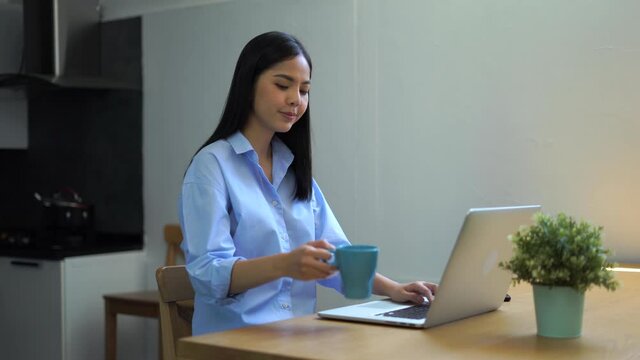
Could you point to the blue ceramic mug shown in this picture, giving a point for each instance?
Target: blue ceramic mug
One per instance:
(357, 265)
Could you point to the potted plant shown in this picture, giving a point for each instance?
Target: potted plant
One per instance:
(562, 258)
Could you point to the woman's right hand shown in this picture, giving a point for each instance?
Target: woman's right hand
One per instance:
(308, 262)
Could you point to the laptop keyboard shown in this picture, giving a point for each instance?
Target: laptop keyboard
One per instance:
(412, 312)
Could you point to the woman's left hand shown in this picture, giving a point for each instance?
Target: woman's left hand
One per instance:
(414, 292)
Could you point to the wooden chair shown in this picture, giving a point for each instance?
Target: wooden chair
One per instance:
(176, 306)
(144, 303)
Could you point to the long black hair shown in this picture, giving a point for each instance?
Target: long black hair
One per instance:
(261, 53)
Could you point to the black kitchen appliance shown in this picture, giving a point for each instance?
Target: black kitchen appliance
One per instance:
(16, 238)
(65, 219)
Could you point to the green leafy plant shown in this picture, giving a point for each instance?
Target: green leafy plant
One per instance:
(560, 252)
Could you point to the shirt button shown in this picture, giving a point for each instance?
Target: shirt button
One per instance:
(274, 203)
(285, 306)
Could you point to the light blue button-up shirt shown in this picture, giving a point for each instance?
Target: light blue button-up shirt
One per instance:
(230, 211)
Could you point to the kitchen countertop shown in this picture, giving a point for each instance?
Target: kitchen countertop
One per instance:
(104, 243)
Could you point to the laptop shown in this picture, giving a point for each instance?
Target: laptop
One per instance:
(472, 282)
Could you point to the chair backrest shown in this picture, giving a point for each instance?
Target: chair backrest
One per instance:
(174, 287)
(173, 237)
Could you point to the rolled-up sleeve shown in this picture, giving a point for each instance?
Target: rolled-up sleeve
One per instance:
(327, 228)
(208, 246)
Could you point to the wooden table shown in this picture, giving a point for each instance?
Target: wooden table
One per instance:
(142, 303)
(611, 330)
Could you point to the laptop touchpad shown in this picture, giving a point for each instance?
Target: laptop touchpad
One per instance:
(379, 305)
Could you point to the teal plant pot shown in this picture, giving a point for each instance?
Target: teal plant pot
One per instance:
(558, 311)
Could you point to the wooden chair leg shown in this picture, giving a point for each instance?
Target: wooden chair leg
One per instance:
(160, 341)
(111, 324)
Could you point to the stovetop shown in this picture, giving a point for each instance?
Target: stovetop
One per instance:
(17, 238)
(32, 244)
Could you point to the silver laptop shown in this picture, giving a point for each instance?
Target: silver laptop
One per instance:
(472, 282)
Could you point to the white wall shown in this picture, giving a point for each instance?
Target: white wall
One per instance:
(118, 9)
(420, 110)
(475, 103)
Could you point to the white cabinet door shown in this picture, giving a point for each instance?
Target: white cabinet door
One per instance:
(86, 279)
(30, 309)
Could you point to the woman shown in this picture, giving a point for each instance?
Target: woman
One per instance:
(256, 226)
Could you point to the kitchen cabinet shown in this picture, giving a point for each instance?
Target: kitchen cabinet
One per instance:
(53, 309)
(14, 122)
(13, 103)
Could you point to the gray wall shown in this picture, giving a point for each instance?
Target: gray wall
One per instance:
(13, 103)
(118, 9)
(420, 110)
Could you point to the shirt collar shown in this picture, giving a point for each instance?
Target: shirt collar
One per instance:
(282, 156)
(281, 152)
(239, 143)
(282, 159)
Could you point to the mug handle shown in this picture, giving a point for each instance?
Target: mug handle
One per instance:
(332, 260)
